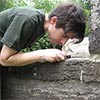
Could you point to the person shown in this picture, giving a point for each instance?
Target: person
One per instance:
(20, 27)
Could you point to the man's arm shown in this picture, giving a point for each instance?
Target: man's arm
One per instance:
(10, 57)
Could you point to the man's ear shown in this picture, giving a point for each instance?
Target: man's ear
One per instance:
(53, 20)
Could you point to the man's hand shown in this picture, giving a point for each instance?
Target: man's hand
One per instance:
(51, 55)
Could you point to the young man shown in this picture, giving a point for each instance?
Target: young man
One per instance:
(22, 26)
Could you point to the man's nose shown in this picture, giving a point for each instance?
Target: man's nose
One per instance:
(63, 41)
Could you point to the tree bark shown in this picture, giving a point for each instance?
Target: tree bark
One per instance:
(94, 37)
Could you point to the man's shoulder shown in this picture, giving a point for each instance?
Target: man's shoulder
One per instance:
(27, 12)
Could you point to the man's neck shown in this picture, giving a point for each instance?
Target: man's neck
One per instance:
(46, 23)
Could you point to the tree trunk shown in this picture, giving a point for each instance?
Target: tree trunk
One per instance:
(94, 37)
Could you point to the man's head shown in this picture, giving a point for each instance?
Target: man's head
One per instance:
(70, 20)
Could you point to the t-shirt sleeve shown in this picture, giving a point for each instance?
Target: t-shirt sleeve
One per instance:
(18, 33)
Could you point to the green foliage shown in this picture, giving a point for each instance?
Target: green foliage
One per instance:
(20, 3)
(42, 43)
(87, 13)
(86, 6)
(46, 5)
(5, 4)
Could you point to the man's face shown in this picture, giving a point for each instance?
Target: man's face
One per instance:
(57, 35)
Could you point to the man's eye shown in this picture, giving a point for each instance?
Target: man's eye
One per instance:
(72, 37)
(65, 36)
